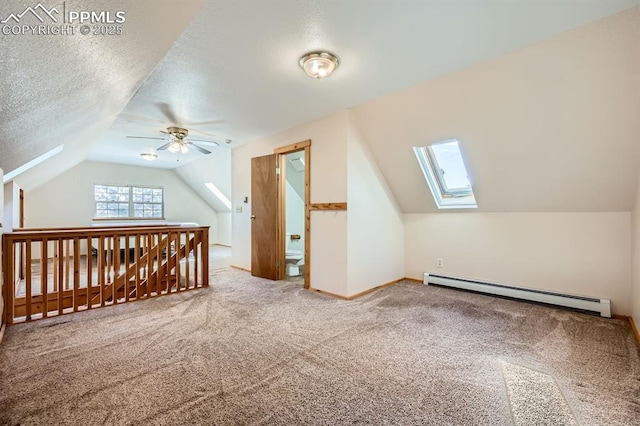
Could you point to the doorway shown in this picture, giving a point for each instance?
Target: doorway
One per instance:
(294, 197)
(294, 202)
(272, 235)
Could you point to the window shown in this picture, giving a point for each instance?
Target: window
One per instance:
(446, 174)
(128, 202)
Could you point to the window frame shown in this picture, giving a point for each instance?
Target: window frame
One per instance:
(130, 203)
(444, 197)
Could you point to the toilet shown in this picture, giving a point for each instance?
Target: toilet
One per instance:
(293, 259)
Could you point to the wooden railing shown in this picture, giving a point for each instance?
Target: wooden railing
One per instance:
(51, 272)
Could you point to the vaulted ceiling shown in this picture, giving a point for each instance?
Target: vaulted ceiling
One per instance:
(228, 69)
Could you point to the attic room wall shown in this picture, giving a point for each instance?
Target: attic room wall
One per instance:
(214, 168)
(11, 218)
(635, 259)
(552, 127)
(67, 200)
(328, 185)
(1, 231)
(587, 254)
(374, 222)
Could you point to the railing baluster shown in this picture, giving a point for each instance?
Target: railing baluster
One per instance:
(44, 276)
(89, 271)
(137, 265)
(60, 273)
(54, 266)
(67, 261)
(101, 269)
(127, 262)
(196, 258)
(8, 268)
(178, 259)
(27, 279)
(76, 273)
(149, 264)
(205, 257)
(159, 244)
(187, 264)
(116, 267)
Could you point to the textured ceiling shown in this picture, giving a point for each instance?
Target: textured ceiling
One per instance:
(227, 69)
(233, 73)
(68, 89)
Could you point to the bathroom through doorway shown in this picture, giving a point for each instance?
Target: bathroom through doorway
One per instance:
(294, 217)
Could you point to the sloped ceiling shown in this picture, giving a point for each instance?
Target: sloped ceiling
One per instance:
(233, 73)
(68, 89)
(551, 127)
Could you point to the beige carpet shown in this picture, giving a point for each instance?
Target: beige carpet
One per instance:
(250, 351)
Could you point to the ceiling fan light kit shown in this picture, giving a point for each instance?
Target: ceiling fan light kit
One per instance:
(319, 64)
(177, 143)
(178, 147)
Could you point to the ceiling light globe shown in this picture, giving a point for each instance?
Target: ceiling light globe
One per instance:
(319, 64)
(149, 156)
(175, 147)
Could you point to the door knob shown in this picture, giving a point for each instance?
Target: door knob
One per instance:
(253, 217)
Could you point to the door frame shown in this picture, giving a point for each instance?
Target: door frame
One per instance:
(281, 253)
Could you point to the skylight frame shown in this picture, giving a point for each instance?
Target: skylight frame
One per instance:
(219, 195)
(444, 197)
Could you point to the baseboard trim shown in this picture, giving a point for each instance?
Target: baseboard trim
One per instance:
(363, 293)
(635, 330)
(632, 324)
(240, 268)
(221, 245)
(4, 326)
(414, 280)
(327, 293)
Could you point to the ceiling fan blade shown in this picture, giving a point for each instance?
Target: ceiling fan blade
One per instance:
(198, 140)
(165, 146)
(168, 112)
(198, 148)
(133, 118)
(145, 137)
(204, 123)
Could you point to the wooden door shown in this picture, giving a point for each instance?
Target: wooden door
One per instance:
(264, 217)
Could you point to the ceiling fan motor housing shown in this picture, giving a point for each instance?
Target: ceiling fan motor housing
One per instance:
(178, 132)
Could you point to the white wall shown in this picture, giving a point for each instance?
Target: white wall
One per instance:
(548, 128)
(11, 204)
(587, 254)
(214, 168)
(224, 229)
(635, 262)
(375, 226)
(1, 272)
(328, 184)
(67, 200)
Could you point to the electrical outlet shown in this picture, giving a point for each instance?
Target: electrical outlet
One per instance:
(439, 263)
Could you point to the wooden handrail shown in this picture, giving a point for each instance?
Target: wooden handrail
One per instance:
(24, 235)
(74, 269)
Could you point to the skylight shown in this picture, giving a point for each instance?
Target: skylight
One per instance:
(443, 168)
(218, 194)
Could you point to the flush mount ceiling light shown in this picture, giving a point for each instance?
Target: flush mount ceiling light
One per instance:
(319, 64)
(148, 156)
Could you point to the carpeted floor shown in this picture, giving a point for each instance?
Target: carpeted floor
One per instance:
(250, 351)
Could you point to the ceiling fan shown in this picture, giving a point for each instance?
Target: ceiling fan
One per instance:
(178, 142)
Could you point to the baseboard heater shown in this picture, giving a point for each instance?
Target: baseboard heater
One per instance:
(590, 304)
